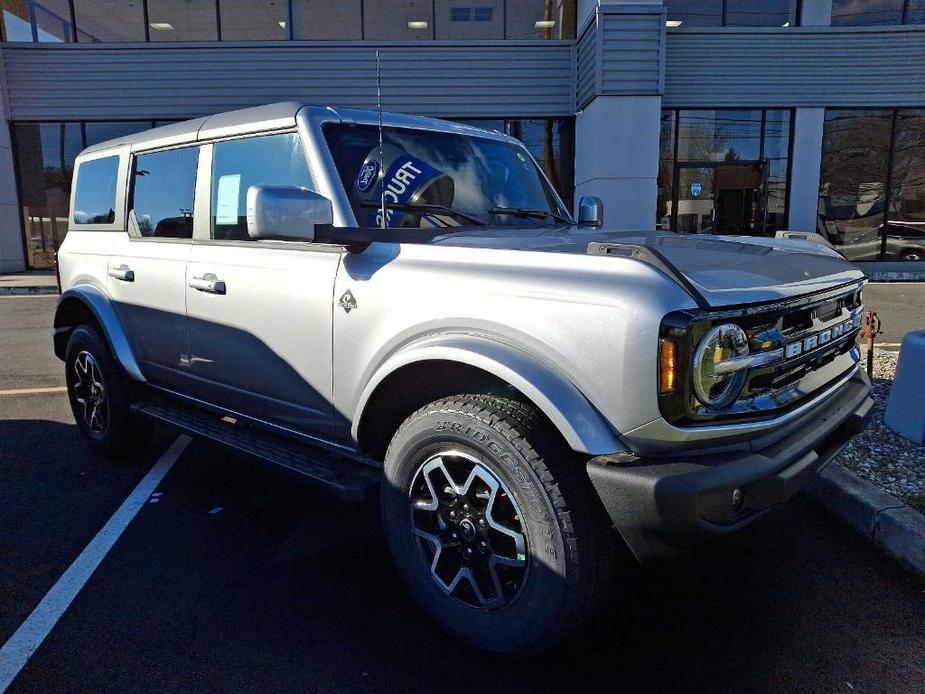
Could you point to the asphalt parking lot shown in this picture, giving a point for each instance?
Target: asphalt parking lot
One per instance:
(239, 578)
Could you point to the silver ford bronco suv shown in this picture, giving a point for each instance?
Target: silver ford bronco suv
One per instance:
(410, 309)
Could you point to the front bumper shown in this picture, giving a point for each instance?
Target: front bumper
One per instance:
(661, 505)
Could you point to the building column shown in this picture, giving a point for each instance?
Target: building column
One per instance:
(11, 248)
(617, 127)
(816, 13)
(805, 168)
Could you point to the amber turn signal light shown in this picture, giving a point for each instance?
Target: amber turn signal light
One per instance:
(667, 366)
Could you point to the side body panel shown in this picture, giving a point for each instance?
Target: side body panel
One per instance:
(590, 323)
(152, 304)
(263, 347)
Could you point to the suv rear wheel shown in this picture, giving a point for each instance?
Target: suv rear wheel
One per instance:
(493, 524)
(100, 395)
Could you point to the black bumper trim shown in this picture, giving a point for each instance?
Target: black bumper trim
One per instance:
(661, 505)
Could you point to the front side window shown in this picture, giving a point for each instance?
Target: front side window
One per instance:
(163, 187)
(274, 160)
(95, 197)
(462, 179)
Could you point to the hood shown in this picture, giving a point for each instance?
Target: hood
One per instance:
(716, 270)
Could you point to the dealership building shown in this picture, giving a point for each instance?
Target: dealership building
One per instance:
(698, 116)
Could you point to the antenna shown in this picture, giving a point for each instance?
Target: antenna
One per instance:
(383, 223)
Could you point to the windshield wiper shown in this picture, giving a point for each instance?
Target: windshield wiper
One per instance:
(525, 212)
(425, 208)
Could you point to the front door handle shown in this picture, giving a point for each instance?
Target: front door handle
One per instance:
(123, 272)
(208, 283)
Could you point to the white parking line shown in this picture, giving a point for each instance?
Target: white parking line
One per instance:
(25, 641)
(33, 391)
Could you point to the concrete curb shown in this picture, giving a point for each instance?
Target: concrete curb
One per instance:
(883, 519)
(27, 291)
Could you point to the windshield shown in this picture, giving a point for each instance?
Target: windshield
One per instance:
(431, 178)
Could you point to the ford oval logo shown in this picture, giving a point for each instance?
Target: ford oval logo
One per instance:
(367, 175)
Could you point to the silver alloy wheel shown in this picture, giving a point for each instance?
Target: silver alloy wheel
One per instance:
(90, 392)
(470, 534)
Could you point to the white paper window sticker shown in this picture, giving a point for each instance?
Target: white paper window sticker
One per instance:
(226, 204)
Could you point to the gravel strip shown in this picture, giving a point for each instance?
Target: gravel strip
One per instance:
(879, 454)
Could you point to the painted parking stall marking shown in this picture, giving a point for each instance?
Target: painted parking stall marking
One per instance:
(25, 641)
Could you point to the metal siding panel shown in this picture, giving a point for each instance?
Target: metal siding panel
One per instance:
(808, 66)
(632, 52)
(145, 81)
(585, 84)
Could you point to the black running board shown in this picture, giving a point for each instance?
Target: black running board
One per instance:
(339, 475)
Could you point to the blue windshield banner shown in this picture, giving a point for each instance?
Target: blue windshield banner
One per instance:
(406, 177)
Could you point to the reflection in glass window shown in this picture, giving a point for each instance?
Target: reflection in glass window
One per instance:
(95, 197)
(915, 12)
(182, 20)
(163, 185)
(541, 19)
(48, 21)
(109, 20)
(327, 20)
(101, 132)
(724, 135)
(724, 171)
(905, 231)
(45, 156)
(551, 141)
(695, 13)
(237, 165)
(665, 170)
(866, 12)
(469, 19)
(853, 179)
(398, 19)
(469, 175)
(766, 13)
(254, 20)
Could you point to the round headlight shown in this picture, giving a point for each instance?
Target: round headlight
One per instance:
(715, 384)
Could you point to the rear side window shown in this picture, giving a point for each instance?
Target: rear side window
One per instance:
(239, 164)
(95, 197)
(163, 187)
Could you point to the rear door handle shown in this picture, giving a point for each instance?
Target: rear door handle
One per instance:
(208, 283)
(123, 272)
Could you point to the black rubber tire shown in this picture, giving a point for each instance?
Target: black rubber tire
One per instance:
(569, 546)
(122, 432)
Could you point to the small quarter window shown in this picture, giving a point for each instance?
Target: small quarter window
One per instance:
(276, 160)
(163, 187)
(95, 197)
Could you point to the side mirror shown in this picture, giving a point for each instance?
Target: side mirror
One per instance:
(590, 211)
(286, 213)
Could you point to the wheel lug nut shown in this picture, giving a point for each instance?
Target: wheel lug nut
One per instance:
(481, 521)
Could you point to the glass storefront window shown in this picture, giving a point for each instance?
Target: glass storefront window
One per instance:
(46, 22)
(725, 135)
(866, 12)
(255, 20)
(45, 154)
(541, 19)
(100, 132)
(398, 20)
(724, 171)
(905, 226)
(327, 20)
(182, 20)
(695, 13)
(767, 13)
(665, 170)
(108, 21)
(469, 19)
(853, 180)
(915, 12)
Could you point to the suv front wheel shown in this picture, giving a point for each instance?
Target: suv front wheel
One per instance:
(99, 392)
(493, 524)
